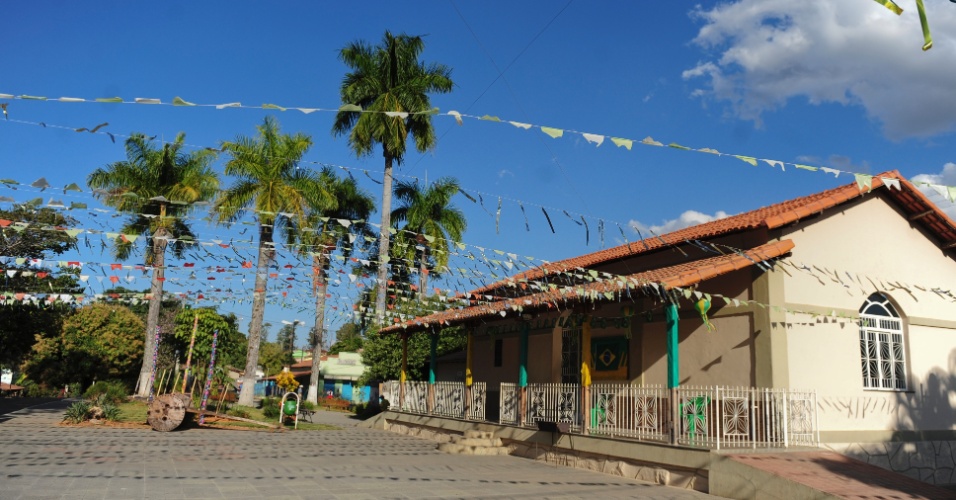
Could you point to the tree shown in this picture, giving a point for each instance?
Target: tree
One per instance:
(98, 342)
(347, 339)
(382, 354)
(25, 236)
(391, 86)
(230, 343)
(157, 188)
(323, 237)
(271, 358)
(269, 182)
(285, 339)
(429, 215)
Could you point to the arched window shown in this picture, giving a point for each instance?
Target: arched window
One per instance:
(881, 345)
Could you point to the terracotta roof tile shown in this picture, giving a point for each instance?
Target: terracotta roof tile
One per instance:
(677, 276)
(771, 217)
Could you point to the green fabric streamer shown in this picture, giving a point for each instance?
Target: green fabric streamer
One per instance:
(927, 38)
(178, 101)
(889, 4)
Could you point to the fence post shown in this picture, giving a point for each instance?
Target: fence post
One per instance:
(469, 394)
(403, 375)
(432, 368)
(786, 419)
(673, 366)
(523, 370)
(586, 377)
(719, 421)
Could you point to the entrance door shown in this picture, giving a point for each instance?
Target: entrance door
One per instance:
(571, 355)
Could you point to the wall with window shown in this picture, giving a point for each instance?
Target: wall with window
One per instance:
(888, 375)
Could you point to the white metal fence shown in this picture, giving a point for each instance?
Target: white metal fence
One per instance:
(416, 397)
(479, 391)
(710, 417)
(508, 410)
(553, 403)
(633, 411)
(746, 417)
(446, 399)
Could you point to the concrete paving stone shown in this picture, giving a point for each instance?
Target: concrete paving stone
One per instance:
(47, 461)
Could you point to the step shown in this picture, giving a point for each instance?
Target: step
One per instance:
(457, 449)
(489, 443)
(479, 434)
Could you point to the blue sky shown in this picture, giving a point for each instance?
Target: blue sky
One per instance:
(830, 84)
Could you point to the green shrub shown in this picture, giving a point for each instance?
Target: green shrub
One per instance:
(77, 412)
(110, 412)
(270, 407)
(112, 391)
(308, 405)
(239, 411)
(33, 390)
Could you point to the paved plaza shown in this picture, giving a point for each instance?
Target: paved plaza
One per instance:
(42, 460)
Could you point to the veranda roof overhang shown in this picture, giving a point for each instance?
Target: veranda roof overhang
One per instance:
(657, 281)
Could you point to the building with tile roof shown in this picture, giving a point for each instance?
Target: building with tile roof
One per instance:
(846, 293)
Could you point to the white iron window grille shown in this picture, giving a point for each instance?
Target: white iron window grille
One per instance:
(882, 352)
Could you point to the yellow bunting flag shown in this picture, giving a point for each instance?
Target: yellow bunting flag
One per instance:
(553, 132)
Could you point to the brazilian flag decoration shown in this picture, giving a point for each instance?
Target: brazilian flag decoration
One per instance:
(609, 357)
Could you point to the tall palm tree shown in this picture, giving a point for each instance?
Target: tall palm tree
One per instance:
(321, 237)
(157, 187)
(429, 215)
(391, 86)
(269, 182)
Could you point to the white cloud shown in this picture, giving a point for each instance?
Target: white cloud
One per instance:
(766, 52)
(686, 219)
(946, 177)
(505, 172)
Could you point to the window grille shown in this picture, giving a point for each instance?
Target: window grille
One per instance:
(882, 352)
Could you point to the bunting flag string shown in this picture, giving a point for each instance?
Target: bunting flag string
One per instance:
(554, 132)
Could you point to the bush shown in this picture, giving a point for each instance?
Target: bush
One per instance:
(270, 407)
(239, 411)
(33, 390)
(77, 412)
(110, 412)
(308, 405)
(112, 391)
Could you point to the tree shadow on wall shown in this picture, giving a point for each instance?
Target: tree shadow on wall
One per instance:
(925, 418)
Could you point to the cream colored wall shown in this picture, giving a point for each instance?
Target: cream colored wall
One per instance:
(723, 357)
(539, 358)
(869, 238)
(483, 358)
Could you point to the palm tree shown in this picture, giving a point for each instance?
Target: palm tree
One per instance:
(321, 238)
(391, 86)
(430, 217)
(156, 187)
(269, 182)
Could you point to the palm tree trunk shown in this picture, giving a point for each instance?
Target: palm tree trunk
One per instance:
(258, 312)
(383, 241)
(423, 276)
(152, 315)
(318, 285)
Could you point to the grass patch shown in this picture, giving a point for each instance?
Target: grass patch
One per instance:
(135, 412)
(132, 411)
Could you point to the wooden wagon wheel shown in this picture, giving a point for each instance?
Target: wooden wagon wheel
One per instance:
(166, 412)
